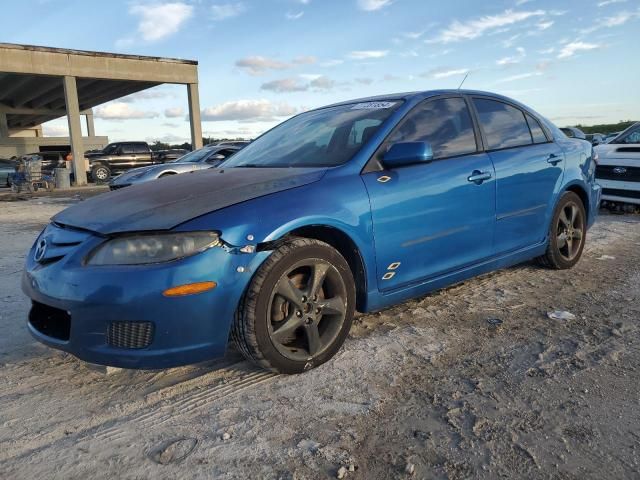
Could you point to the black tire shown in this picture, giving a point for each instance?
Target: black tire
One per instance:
(561, 254)
(100, 173)
(253, 328)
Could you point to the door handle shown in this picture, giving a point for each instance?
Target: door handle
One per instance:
(478, 177)
(554, 159)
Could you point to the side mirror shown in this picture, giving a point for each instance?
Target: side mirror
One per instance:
(407, 153)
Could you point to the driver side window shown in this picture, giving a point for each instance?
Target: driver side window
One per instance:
(444, 123)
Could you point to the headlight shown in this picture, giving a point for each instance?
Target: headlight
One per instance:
(152, 248)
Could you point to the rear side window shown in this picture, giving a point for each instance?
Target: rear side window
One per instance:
(504, 126)
(536, 130)
(444, 123)
(140, 148)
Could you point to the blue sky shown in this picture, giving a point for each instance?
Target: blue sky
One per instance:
(260, 61)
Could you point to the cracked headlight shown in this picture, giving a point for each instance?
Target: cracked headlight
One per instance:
(152, 248)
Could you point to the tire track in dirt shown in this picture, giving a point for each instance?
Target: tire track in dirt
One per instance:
(154, 409)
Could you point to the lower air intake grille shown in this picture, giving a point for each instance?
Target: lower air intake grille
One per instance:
(130, 334)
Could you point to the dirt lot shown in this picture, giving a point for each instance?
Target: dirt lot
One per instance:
(432, 388)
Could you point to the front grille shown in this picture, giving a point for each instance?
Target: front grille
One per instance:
(130, 334)
(605, 172)
(50, 321)
(621, 193)
(56, 241)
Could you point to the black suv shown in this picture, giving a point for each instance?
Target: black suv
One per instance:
(119, 157)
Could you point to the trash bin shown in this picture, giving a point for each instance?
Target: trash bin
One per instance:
(63, 178)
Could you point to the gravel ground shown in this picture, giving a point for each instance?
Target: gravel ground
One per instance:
(475, 381)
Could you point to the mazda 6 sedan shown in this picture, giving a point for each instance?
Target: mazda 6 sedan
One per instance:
(354, 206)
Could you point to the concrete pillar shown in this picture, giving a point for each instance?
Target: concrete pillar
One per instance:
(75, 130)
(91, 129)
(194, 116)
(4, 126)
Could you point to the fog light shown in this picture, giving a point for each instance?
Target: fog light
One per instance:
(189, 289)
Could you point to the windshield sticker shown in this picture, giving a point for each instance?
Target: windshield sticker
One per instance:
(372, 105)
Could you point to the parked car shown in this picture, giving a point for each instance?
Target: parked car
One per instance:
(618, 170)
(118, 157)
(233, 143)
(358, 205)
(611, 136)
(595, 138)
(163, 156)
(196, 160)
(574, 132)
(7, 168)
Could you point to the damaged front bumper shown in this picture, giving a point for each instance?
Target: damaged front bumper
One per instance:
(118, 316)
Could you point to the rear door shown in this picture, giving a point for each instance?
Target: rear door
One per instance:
(431, 218)
(529, 168)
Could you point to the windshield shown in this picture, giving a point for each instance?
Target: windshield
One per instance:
(194, 157)
(320, 138)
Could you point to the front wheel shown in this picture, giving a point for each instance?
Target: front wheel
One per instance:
(100, 174)
(298, 309)
(567, 233)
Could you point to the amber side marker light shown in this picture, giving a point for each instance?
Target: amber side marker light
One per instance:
(189, 289)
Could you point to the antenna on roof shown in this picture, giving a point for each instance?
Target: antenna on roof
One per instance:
(465, 77)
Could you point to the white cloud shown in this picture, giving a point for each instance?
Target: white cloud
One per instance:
(174, 112)
(153, 93)
(294, 15)
(477, 27)
(521, 76)
(613, 21)
(304, 60)
(53, 130)
(160, 20)
(248, 111)
(332, 63)
(371, 5)
(609, 2)
(257, 65)
(570, 49)
(545, 24)
(368, 54)
(445, 72)
(122, 111)
(222, 11)
(322, 83)
(512, 60)
(285, 85)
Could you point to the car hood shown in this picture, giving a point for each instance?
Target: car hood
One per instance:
(168, 202)
(136, 172)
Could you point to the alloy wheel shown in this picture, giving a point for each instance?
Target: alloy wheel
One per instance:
(570, 231)
(307, 309)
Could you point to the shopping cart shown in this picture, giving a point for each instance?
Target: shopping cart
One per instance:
(29, 175)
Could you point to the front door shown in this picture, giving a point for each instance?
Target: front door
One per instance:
(429, 219)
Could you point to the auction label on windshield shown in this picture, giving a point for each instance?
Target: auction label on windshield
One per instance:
(372, 105)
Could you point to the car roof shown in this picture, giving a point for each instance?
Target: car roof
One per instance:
(422, 95)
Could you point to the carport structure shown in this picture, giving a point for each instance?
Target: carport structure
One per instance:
(38, 84)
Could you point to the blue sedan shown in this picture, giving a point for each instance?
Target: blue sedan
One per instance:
(354, 206)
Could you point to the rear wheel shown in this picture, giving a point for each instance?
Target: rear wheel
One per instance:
(100, 173)
(567, 233)
(298, 309)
